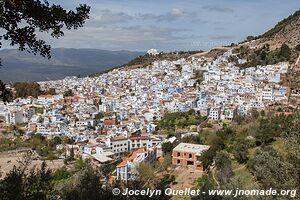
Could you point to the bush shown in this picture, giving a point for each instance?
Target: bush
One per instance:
(68, 93)
(297, 47)
(285, 52)
(167, 147)
(180, 120)
(27, 89)
(60, 174)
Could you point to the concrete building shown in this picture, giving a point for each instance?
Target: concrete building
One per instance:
(127, 169)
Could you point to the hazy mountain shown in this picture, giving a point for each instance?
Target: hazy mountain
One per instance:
(22, 66)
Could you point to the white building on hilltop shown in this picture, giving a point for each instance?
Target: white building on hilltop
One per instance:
(152, 52)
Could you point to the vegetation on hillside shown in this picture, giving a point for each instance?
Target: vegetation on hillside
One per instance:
(260, 154)
(147, 59)
(281, 25)
(68, 93)
(26, 89)
(85, 182)
(171, 121)
(265, 56)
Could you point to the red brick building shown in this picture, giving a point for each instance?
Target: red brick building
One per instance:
(186, 154)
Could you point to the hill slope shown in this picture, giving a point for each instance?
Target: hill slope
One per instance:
(21, 66)
(286, 31)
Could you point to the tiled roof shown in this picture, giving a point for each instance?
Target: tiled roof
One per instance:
(131, 157)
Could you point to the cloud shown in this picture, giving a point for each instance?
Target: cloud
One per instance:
(220, 28)
(117, 38)
(138, 25)
(172, 15)
(199, 21)
(223, 37)
(177, 12)
(108, 17)
(216, 8)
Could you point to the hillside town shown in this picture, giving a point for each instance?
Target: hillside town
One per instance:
(210, 113)
(116, 112)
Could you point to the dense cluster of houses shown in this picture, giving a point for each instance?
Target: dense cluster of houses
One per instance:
(125, 101)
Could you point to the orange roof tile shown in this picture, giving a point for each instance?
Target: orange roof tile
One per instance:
(131, 157)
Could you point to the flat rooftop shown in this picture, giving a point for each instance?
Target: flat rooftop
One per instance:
(191, 148)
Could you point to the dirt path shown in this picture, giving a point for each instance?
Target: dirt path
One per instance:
(240, 168)
(213, 175)
(185, 177)
(206, 53)
(9, 160)
(297, 63)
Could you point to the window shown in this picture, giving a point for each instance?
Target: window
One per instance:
(178, 154)
(190, 155)
(178, 161)
(190, 162)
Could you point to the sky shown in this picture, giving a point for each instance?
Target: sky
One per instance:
(170, 25)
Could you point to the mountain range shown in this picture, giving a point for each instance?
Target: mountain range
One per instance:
(22, 66)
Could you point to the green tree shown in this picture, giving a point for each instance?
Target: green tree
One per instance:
(223, 165)
(68, 93)
(20, 183)
(5, 94)
(250, 37)
(240, 150)
(71, 157)
(285, 52)
(297, 47)
(167, 147)
(194, 139)
(272, 170)
(106, 170)
(21, 19)
(27, 89)
(146, 174)
(84, 185)
(206, 183)
(51, 91)
(80, 164)
(207, 158)
(266, 132)
(61, 174)
(166, 162)
(99, 116)
(56, 140)
(238, 119)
